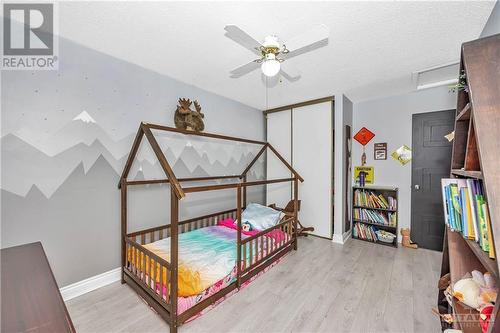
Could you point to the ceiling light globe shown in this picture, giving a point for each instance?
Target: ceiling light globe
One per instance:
(270, 66)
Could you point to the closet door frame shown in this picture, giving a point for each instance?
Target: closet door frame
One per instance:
(290, 108)
(281, 193)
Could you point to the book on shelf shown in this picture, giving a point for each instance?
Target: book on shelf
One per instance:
(378, 217)
(366, 232)
(370, 199)
(466, 211)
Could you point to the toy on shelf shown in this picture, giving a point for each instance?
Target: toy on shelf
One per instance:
(467, 291)
(484, 317)
(478, 291)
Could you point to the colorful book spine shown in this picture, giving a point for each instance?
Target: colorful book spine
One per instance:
(466, 211)
(482, 224)
(468, 214)
(463, 209)
(370, 199)
(450, 208)
(365, 232)
(491, 247)
(475, 225)
(455, 201)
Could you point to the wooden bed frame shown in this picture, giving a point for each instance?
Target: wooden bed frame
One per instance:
(134, 255)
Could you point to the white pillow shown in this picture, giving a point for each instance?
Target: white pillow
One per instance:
(260, 217)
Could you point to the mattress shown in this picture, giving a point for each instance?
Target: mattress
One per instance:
(207, 261)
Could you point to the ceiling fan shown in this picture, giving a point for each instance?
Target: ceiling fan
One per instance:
(272, 52)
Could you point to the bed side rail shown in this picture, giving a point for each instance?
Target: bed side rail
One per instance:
(148, 270)
(260, 247)
(153, 234)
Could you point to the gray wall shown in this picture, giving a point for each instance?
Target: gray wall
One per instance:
(59, 175)
(492, 26)
(391, 120)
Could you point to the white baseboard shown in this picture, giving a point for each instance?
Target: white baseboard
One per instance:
(347, 235)
(341, 239)
(336, 238)
(92, 283)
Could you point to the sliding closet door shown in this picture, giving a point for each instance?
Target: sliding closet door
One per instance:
(279, 135)
(312, 158)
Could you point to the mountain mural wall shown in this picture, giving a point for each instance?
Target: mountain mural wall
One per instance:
(66, 136)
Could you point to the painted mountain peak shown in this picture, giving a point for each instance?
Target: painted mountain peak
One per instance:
(27, 165)
(82, 129)
(85, 117)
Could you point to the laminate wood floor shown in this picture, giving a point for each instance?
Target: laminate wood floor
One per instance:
(323, 287)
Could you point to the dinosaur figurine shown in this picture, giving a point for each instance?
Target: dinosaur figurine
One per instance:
(187, 119)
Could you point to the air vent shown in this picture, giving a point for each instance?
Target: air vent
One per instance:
(441, 75)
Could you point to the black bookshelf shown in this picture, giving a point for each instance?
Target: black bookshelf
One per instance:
(386, 192)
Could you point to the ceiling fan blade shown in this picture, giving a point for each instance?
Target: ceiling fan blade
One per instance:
(289, 72)
(307, 41)
(292, 77)
(245, 69)
(242, 38)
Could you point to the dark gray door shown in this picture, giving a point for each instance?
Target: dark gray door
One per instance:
(431, 161)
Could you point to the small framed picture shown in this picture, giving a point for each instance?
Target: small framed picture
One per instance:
(380, 151)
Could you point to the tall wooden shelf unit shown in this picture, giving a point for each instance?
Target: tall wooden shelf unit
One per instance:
(476, 154)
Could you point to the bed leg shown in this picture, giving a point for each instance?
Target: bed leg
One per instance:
(123, 275)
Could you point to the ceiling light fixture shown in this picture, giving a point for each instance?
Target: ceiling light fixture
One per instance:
(272, 52)
(270, 66)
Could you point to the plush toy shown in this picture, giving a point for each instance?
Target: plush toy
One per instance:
(406, 241)
(484, 317)
(476, 290)
(245, 226)
(467, 292)
(488, 289)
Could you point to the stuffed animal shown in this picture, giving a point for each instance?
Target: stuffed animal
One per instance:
(488, 289)
(406, 241)
(476, 290)
(484, 317)
(466, 290)
(245, 226)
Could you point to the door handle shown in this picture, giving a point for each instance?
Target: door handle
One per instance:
(417, 187)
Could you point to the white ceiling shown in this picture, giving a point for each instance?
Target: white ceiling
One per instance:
(373, 49)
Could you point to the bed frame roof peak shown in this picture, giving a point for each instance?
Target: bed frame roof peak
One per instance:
(145, 130)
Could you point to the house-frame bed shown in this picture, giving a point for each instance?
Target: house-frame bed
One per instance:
(254, 253)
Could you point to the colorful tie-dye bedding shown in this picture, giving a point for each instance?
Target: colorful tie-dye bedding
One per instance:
(207, 256)
(207, 261)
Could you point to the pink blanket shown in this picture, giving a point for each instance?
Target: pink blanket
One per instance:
(275, 234)
(229, 223)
